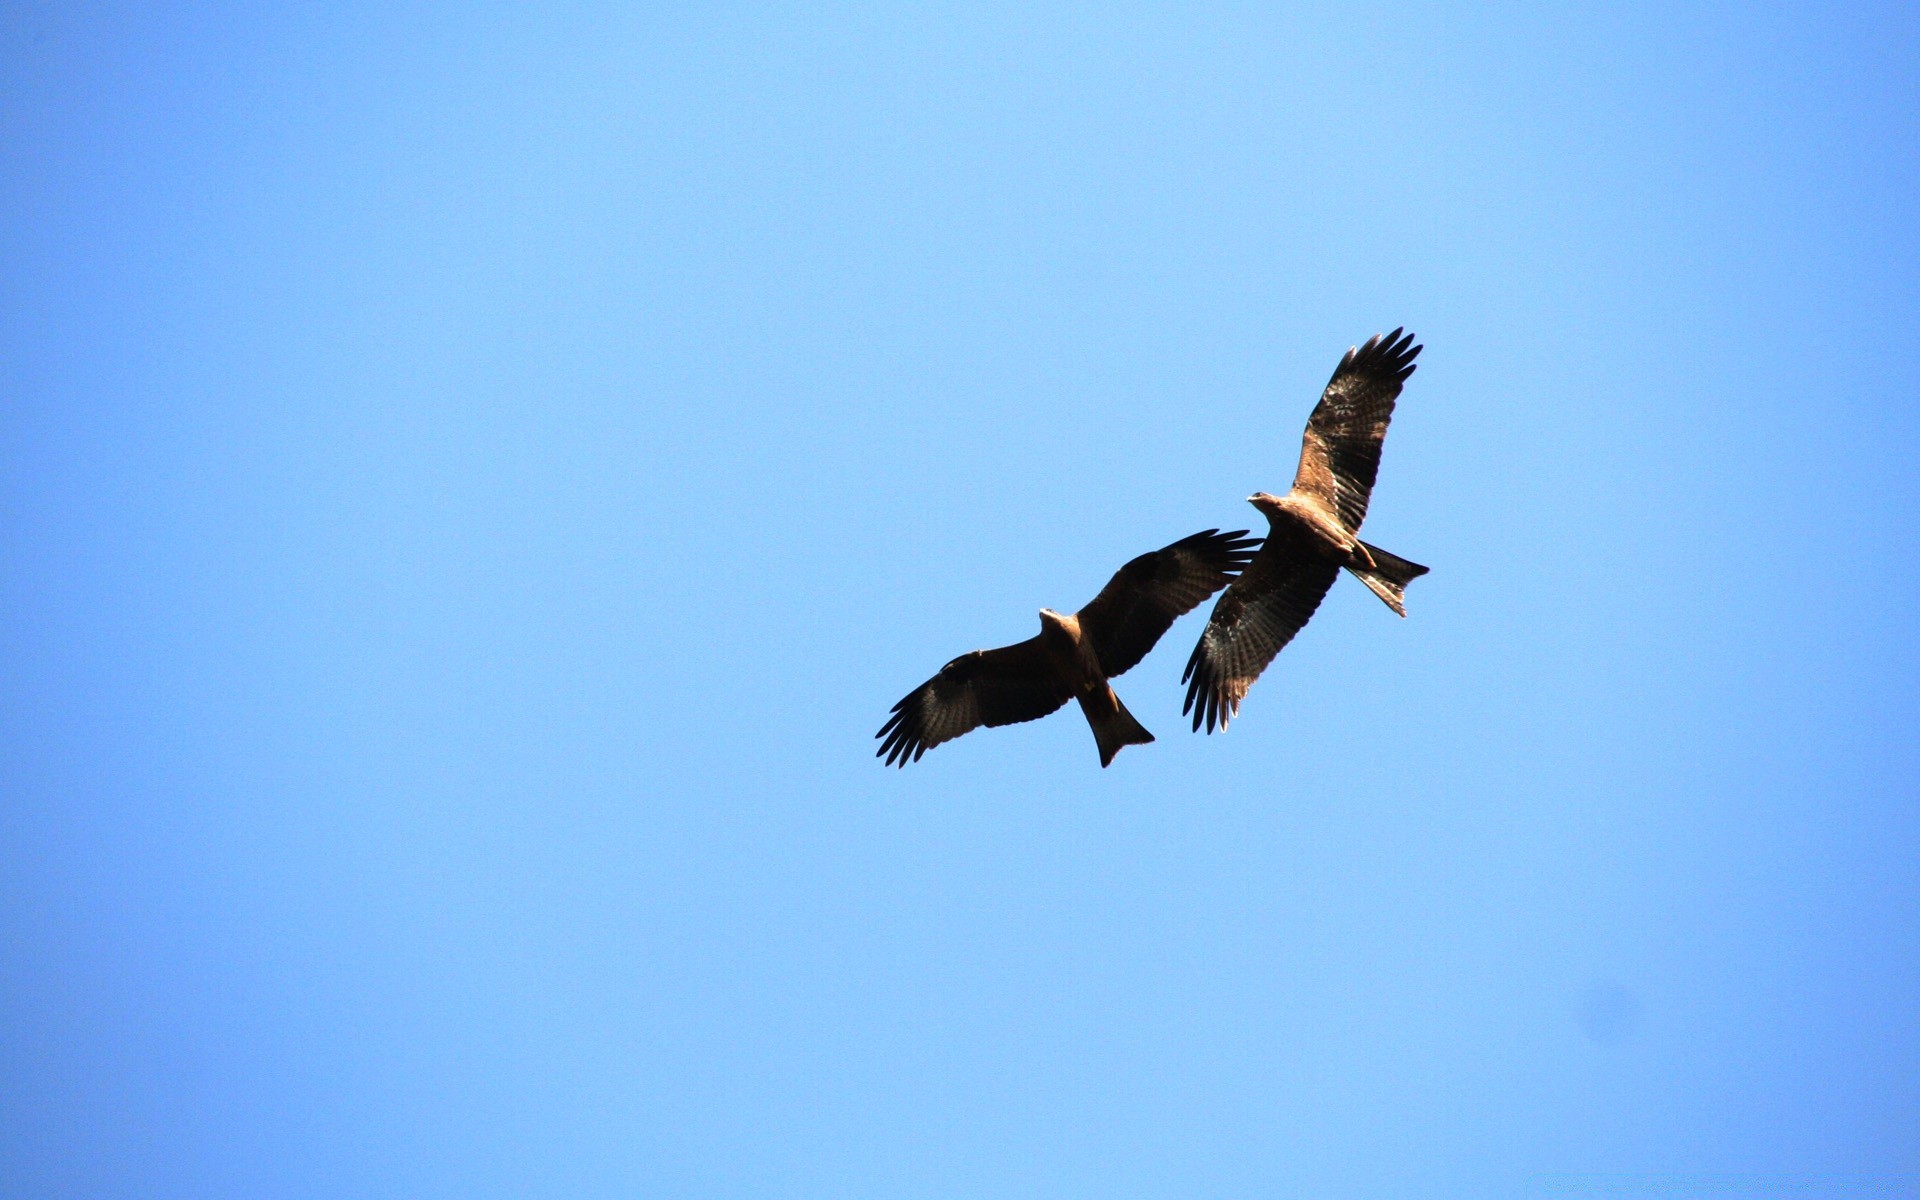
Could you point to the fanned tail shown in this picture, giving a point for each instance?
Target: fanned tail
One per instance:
(1112, 730)
(1388, 577)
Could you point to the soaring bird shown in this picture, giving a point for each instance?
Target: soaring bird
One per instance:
(1314, 533)
(1072, 657)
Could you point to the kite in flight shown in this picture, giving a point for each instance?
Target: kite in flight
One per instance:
(1314, 533)
(1072, 657)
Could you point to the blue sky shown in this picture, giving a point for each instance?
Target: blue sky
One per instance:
(475, 479)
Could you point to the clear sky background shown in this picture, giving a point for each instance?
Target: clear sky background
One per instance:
(475, 479)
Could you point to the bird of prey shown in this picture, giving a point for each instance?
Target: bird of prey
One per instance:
(1314, 532)
(1072, 657)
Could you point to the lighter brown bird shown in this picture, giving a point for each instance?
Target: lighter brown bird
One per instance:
(1314, 532)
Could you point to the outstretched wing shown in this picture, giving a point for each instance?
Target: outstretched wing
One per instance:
(1340, 453)
(1144, 597)
(1253, 619)
(987, 687)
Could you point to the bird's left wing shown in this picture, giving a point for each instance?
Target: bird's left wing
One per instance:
(987, 687)
(1142, 600)
(1340, 451)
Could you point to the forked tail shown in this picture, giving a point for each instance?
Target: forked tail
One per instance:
(1388, 577)
(1113, 729)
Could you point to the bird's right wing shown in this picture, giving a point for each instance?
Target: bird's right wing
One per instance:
(1257, 615)
(1340, 451)
(987, 687)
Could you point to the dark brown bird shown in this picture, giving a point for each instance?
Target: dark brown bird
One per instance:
(1314, 533)
(1073, 656)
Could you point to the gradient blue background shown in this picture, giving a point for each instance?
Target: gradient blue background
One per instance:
(474, 481)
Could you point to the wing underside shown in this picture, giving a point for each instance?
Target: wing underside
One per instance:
(986, 687)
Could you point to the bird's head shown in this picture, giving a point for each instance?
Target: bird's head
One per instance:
(1266, 502)
(1050, 619)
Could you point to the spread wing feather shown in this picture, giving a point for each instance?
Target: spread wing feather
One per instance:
(987, 687)
(1256, 616)
(1143, 599)
(1340, 452)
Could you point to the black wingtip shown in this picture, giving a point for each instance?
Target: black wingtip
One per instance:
(898, 740)
(1205, 701)
(1195, 677)
(1385, 354)
(1228, 553)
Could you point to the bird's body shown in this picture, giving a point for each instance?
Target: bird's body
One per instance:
(1303, 529)
(1072, 657)
(1314, 533)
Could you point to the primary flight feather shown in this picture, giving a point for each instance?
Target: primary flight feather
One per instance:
(1314, 533)
(1073, 657)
